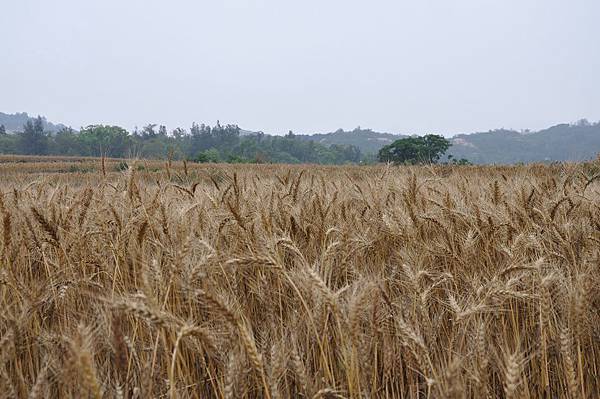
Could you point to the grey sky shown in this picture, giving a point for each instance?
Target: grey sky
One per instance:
(443, 66)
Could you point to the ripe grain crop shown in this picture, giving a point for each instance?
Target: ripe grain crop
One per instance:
(146, 279)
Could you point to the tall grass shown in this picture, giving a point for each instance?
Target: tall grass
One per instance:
(320, 282)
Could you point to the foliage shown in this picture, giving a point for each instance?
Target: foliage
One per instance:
(9, 144)
(210, 155)
(415, 150)
(461, 161)
(366, 140)
(290, 149)
(112, 141)
(564, 142)
(33, 140)
(220, 143)
(577, 142)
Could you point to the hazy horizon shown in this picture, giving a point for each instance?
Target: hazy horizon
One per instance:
(398, 67)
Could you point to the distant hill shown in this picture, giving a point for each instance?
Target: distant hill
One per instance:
(366, 140)
(15, 122)
(563, 142)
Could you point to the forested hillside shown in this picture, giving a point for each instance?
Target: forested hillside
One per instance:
(368, 141)
(577, 142)
(565, 142)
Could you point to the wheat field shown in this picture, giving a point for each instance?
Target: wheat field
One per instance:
(172, 280)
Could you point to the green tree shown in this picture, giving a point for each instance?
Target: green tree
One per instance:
(2, 130)
(415, 150)
(113, 141)
(461, 161)
(178, 133)
(148, 131)
(162, 131)
(33, 140)
(210, 155)
(9, 143)
(66, 142)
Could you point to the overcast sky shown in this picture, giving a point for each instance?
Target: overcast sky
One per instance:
(437, 66)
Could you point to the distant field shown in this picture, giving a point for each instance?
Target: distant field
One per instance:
(123, 278)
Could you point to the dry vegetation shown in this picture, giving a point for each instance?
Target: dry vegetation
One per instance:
(278, 281)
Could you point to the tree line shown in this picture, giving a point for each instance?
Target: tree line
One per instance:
(204, 143)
